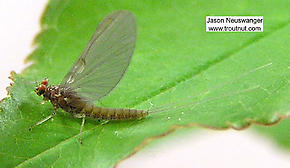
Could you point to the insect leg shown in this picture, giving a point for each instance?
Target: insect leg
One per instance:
(103, 122)
(81, 130)
(42, 121)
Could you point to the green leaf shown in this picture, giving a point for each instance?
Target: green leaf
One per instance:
(223, 79)
(278, 133)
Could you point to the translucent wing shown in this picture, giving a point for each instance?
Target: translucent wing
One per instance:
(106, 58)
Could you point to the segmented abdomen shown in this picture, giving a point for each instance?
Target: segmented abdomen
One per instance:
(74, 104)
(113, 113)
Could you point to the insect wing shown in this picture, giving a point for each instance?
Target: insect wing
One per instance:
(106, 58)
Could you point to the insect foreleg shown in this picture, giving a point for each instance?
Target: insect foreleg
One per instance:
(42, 121)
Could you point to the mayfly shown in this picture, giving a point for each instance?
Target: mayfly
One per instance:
(100, 68)
(96, 72)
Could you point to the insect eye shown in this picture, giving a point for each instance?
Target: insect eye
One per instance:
(44, 82)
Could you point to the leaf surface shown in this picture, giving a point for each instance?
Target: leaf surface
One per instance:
(222, 79)
(278, 133)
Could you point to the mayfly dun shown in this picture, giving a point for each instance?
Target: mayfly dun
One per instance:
(100, 68)
(96, 72)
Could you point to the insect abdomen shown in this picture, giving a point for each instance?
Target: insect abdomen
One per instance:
(113, 113)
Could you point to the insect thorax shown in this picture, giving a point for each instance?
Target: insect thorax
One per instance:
(64, 98)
